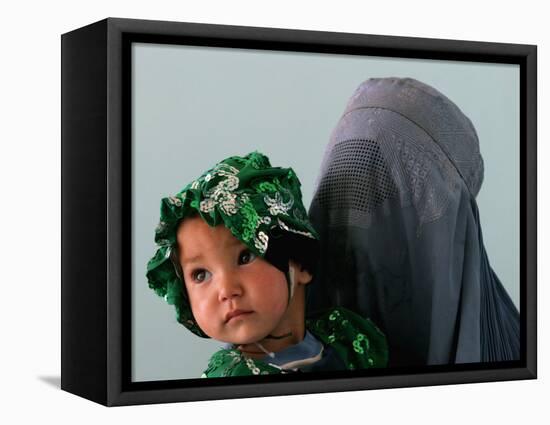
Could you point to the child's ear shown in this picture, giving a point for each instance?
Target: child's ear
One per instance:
(301, 275)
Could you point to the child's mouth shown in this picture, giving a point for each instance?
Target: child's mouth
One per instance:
(236, 313)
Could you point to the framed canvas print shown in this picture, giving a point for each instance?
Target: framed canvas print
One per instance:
(255, 211)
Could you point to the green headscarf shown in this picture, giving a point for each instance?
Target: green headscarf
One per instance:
(262, 207)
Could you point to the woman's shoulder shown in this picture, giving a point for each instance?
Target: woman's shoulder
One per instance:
(356, 339)
(231, 362)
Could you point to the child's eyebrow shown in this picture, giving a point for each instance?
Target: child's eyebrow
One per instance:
(195, 258)
(192, 259)
(234, 241)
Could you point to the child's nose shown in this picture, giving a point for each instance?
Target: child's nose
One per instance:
(230, 287)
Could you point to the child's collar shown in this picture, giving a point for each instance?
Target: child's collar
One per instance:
(305, 352)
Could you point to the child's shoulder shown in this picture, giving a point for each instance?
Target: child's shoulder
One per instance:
(356, 339)
(230, 362)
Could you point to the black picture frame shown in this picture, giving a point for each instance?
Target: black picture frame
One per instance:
(96, 165)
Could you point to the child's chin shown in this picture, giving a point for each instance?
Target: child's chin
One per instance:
(247, 340)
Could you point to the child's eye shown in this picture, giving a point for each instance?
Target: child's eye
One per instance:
(200, 275)
(246, 257)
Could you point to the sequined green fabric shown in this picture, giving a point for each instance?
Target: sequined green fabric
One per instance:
(225, 363)
(356, 340)
(247, 195)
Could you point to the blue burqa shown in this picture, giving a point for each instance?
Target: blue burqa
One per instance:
(395, 206)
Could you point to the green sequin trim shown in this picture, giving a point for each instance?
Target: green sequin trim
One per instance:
(356, 340)
(226, 363)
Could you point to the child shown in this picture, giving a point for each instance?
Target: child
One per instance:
(236, 250)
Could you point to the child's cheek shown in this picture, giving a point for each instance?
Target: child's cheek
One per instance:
(280, 305)
(201, 311)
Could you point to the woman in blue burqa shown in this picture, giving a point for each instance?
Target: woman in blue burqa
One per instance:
(395, 206)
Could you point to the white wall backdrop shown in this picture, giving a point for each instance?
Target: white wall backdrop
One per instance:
(194, 106)
(30, 176)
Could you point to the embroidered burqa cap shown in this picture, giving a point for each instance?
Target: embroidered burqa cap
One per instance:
(262, 207)
(395, 208)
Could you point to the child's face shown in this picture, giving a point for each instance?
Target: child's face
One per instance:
(235, 296)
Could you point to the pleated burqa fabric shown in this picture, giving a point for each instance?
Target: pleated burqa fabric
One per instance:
(401, 240)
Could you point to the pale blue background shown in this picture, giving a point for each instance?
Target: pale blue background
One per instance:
(193, 106)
